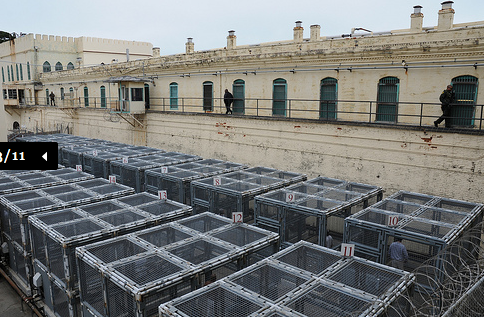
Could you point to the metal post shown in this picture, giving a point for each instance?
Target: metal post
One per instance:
(421, 113)
(369, 119)
(480, 122)
(257, 104)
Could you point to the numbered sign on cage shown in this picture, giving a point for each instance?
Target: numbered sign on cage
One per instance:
(164, 169)
(290, 197)
(125, 160)
(79, 168)
(237, 217)
(112, 179)
(94, 153)
(392, 221)
(217, 181)
(162, 194)
(347, 250)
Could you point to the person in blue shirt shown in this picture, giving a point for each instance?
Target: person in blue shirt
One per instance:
(398, 254)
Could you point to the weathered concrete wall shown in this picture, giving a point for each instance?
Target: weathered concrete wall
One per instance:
(445, 164)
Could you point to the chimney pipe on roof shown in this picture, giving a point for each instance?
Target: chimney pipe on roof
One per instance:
(416, 19)
(189, 46)
(446, 16)
(298, 32)
(315, 32)
(231, 40)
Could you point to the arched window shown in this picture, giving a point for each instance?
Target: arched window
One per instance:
(328, 97)
(387, 99)
(462, 112)
(46, 67)
(173, 96)
(86, 97)
(279, 94)
(238, 90)
(208, 96)
(28, 70)
(70, 66)
(62, 93)
(103, 97)
(21, 73)
(58, 66)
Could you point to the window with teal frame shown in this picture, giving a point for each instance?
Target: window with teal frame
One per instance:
(70, 66)
(47, 96)
(238, 90)
(16, 68)
(58, 66)
(328, 98)
(3, 75)
(21, 72)
(46, 67)
(11, 70)
(279, 97)
(387, 99)
(62, 93)
(28, 70)
(174, 96)
(86, 97)
(103, 97)
(8, 73)
(208, 96)
(463, 111)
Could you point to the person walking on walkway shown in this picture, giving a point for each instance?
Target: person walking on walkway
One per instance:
(398, 254)
(447, 98)
(228, 99)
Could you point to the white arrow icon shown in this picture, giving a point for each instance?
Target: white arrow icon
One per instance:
(45, 156)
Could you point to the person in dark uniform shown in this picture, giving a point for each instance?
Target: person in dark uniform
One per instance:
(52, 99)
(228, 99)
(447, 98)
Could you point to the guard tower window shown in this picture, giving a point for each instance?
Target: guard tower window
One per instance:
(136, 94)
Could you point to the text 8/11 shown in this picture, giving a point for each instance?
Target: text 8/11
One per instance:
(16, 156)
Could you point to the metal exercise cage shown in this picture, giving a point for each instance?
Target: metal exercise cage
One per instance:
(17, 207)
(98, 163)
(303, 280)
(176, 179)
(235, 192)
(313, 209)
(133, 172)
(133, 274)
(427, 224)
(55, 236)
(10, 183)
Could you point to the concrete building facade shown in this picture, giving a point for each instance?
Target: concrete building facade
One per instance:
(359, 107)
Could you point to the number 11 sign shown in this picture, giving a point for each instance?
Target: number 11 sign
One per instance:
(347, 250)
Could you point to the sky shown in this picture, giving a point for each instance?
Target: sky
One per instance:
(168, 24)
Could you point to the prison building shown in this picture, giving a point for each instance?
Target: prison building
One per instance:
(55, 236)
(235, 192)
(17, 207)
(427, 224)
(132, 172)
(313, 209)
(176, 179)
(302, 280)
(133, 274)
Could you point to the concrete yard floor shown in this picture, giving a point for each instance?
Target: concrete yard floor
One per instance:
(10, 305)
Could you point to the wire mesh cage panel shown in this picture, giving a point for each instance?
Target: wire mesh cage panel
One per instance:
(314, 209)
(427, 224)
(17, 207)
(132, 173)
(152, 266)
(292, 283)
(176, 179)
(38, 179)
(98, 163)
(234, 192)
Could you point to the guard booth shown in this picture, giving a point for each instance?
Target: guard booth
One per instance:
(131, 94)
